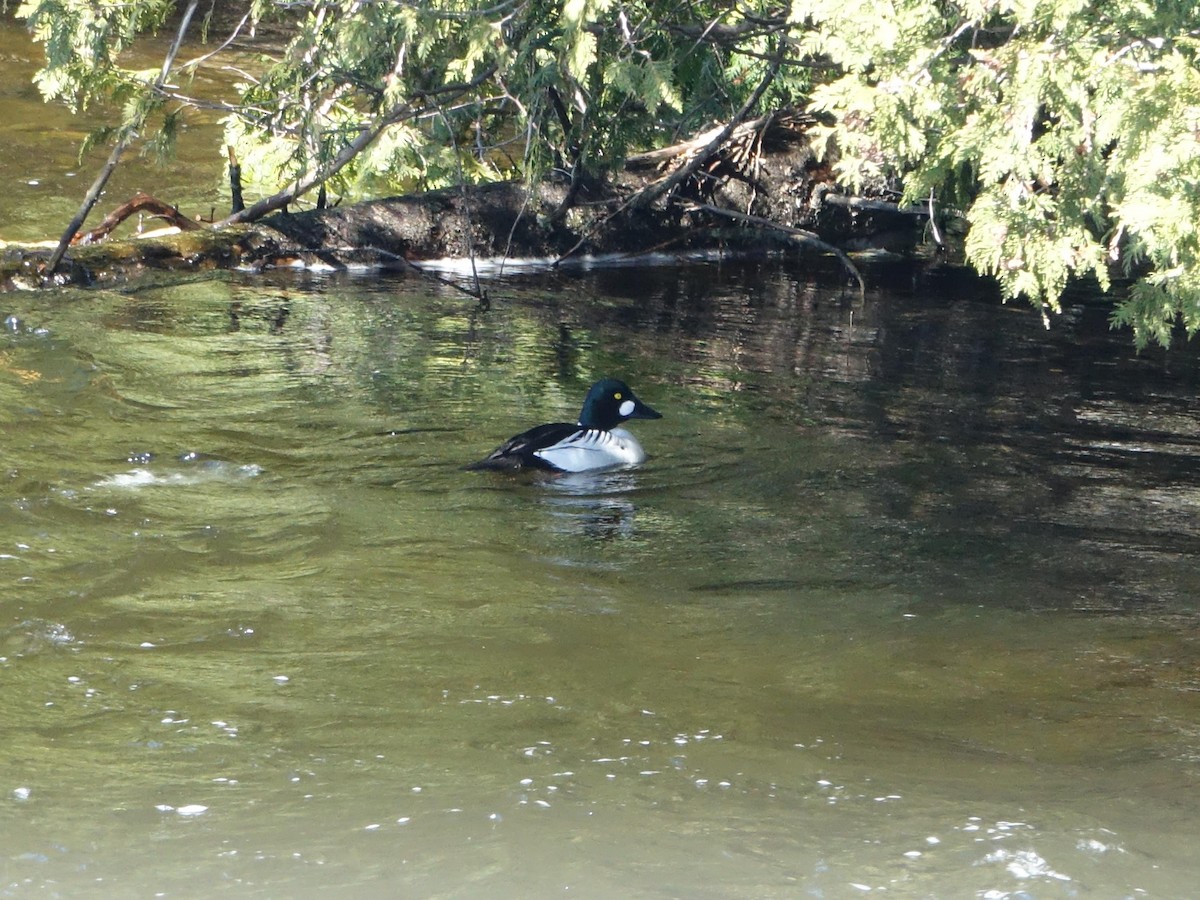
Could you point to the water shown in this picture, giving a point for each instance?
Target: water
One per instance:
(902, 600)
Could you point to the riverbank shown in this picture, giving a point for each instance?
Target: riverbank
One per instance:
(762, 190)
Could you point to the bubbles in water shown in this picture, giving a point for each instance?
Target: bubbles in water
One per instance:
(35, 635)
(1095, 847)
(189, 810)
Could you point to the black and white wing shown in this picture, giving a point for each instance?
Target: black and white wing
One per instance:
(522, 451)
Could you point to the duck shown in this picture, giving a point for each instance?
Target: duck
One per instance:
(592, 444)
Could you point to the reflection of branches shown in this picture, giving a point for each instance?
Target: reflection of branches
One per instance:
(797, 234)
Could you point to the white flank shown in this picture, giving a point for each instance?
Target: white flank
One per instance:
(585, 451)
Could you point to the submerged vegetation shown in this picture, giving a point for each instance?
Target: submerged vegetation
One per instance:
(1066, 132)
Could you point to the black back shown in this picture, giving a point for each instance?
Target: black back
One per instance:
(517, 452)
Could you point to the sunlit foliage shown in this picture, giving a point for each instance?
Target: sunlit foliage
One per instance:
(1067, 131)
(472, 89)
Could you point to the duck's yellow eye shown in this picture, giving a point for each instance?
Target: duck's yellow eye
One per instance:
(616, 395)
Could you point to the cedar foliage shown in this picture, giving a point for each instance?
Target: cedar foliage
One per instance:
(1066, 131)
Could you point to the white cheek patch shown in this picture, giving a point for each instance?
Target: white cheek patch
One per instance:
(626, 408)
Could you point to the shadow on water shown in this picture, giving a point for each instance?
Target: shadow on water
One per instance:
(978, 436)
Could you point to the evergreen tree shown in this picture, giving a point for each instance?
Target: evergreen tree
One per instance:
(1066, 131)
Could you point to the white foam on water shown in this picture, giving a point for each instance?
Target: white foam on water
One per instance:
(141, 477)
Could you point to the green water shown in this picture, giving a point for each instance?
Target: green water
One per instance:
(901, 601)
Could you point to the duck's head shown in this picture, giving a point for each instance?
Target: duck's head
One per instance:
(609, 403)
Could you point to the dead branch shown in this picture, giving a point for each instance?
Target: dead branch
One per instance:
(863, 204)
(138, 203)
(694, 145)
(648, 195)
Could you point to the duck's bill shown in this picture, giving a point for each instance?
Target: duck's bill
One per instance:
(642, 411)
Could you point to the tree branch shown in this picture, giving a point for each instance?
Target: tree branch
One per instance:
(797, 234)
(139, 202)
(125, 137)
(648, 195)
(361, 141)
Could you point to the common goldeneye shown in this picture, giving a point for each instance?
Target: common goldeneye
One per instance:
(592, 444)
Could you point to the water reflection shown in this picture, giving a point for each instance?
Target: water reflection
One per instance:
(594, 505)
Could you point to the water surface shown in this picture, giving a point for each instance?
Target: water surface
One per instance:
(902, 601)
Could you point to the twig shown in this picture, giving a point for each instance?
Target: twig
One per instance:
(477, 293)
(937, 235)
(200, 60)
(480, 294)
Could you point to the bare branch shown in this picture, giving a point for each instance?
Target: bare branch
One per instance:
(125, 137)
(648, 195)
(797, 234)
